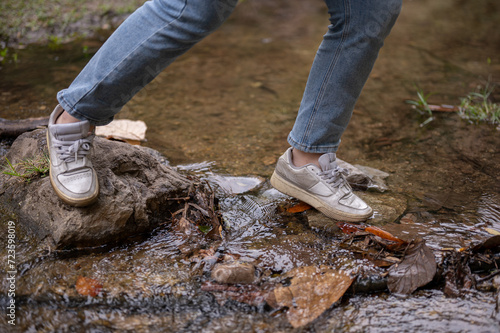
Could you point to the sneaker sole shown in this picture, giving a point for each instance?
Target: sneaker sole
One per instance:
(82, 202)
(290, 189)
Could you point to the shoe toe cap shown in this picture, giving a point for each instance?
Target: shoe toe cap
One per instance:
(77, 183)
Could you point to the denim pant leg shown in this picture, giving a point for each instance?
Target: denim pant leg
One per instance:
(147, 42)
(341, 67)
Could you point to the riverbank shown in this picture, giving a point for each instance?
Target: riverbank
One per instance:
(55, 22)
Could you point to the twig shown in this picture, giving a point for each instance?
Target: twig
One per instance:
(203, 211)
(489, 276)
(180, 198)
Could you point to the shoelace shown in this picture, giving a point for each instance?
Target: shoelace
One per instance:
(70, 151)
(335, 177)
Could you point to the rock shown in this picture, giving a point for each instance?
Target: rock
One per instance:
(387, 207)
(236, 272)
(363, 177)
(377, 177)
(235, 185)
(318, 220)
(134, 196)
(496, 282)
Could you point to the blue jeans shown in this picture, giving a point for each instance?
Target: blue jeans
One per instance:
(161, 30)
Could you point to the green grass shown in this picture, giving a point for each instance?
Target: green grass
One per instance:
(421, 104)
(29, 169)
(40, 19)
(477, 106)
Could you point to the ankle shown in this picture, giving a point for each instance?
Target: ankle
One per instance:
(300, 158)
(66, 118)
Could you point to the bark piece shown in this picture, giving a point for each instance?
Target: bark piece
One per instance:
(14, 128)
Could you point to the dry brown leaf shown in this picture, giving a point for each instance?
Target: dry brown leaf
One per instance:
(312, 291)
(299, 208)
(186, 226)
(384, 234)
(416, 270)
(88, 287)
(491, 244)
(123, 129)
(348, 228)
(492, 231)
(269, 160)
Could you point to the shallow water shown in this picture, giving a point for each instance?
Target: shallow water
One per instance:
(232, 101)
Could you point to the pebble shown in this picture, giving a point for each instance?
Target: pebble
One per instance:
(236, 272)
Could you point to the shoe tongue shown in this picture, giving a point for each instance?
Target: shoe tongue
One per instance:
(327, 161)
(72, 131)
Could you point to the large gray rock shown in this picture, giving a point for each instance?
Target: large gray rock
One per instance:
(135, 195)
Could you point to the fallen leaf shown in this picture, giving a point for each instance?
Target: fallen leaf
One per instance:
(299, 208)
(312, 291)
(492, 244)
(87, 286)
(348, 228)
(492, 231)
(123, 129)
(416, 270)
(384, 234)
(186, 226)
(269, 160)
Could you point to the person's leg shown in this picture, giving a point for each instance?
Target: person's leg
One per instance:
(341, 67)
(147, 42)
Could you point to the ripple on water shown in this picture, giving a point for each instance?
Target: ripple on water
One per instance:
(425, 311)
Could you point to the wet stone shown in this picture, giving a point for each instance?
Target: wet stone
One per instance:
(236, 272)
(318, 220)
(387, 207)
(135, 195)
(235, 185)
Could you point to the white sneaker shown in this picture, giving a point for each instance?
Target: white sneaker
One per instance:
(71, 173)
(325, 188)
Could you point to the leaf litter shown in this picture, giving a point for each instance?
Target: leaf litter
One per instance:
(306, 292)
(312, 291)
(417, 268)
(88, 287)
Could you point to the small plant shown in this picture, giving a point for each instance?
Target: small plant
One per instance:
(85, 51)
(477, 106)
(3, 54)
(11, 170)
(55, 43)
(422, 105)
(29, 169)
